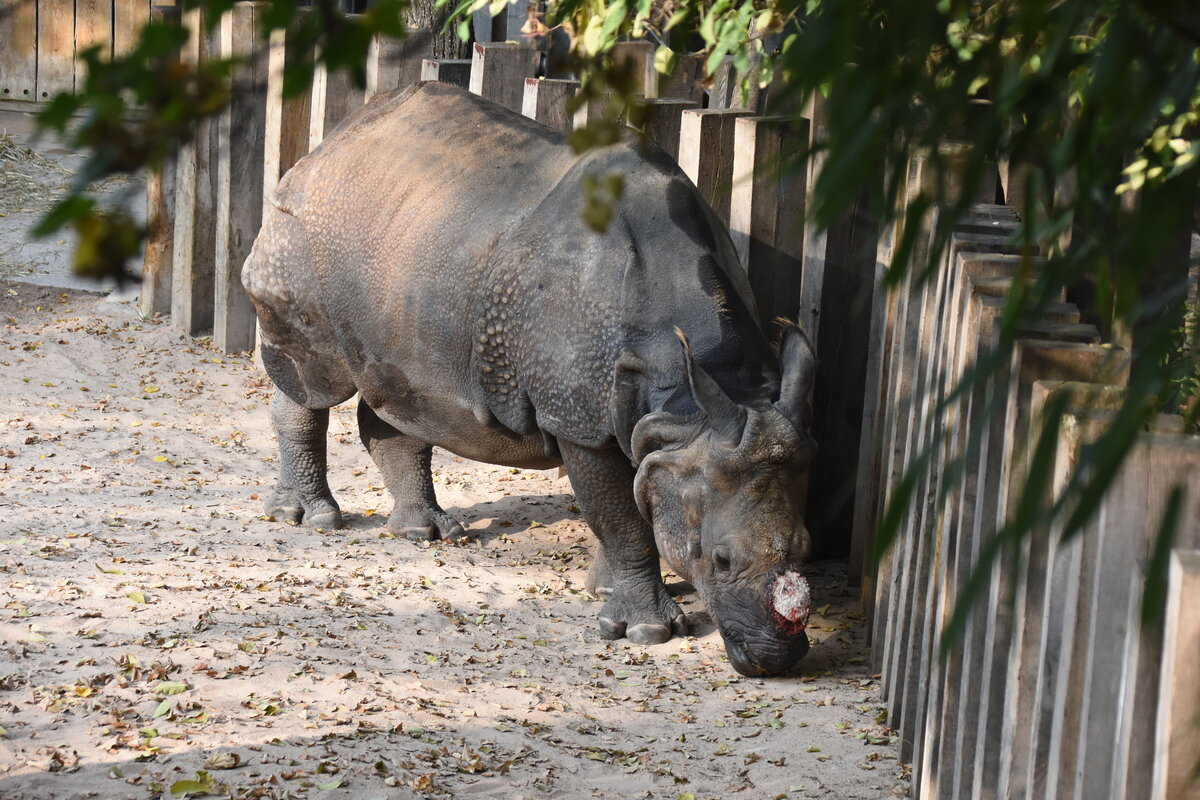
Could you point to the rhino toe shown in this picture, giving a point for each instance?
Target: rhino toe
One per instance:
(425, 525)
(652, 623)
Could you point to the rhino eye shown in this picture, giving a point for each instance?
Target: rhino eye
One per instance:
(721, 559)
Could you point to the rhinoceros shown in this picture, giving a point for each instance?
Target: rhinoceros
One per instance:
(431, 256)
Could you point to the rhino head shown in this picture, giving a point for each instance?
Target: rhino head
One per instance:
(724, 492)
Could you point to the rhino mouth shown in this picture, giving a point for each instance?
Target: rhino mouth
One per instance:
(775, 658)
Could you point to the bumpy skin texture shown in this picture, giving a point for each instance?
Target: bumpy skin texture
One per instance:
(431, 256)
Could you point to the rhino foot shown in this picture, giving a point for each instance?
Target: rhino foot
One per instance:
(425, 524)
(320, 513)
(642, 618)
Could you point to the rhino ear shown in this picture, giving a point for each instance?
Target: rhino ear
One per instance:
(798, 366)
(725, 417)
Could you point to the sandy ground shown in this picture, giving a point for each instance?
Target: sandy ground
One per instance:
(160, 637)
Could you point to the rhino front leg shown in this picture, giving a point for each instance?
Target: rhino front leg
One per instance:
(405, 464)
(302, 493)
(639, 607)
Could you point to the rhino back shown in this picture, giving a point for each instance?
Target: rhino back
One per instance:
(563, 310)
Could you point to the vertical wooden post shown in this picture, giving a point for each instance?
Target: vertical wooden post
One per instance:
(129, 17)
(455, 71)
(767, 208)
(637, 58)
(18, 56)
(686, 80)
(725, 89)
(286, 133)
(195, 210)
(706, 153)
(55, 49)
(1178, 725)
(546, 101)
(334, 97)
(154, 297)
(240, 142)
(93, 26)
(499, 70)
(661, 121)
(504, 27)
(395, 63)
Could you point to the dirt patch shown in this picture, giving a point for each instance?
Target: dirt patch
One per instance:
(158, 629)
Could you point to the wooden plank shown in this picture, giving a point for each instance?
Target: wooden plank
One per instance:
(636, 60)
(1063, 354)
(129, 17)
(240, 141)
(706, 154)
(887, 321)
(334, 98)
(286, 134)
(546, 100)
(154, 296)
(93, 27)
(55, 49)
(661, 121)
(767, 211)
(18, 56)
(837, 291)
(725, 87)
(195, 211)
(456, 71)
(921, 677)
(395, 63)
(1173, 460)
(1177, 731)
(504, 26)
(499, 70)
(686, 80)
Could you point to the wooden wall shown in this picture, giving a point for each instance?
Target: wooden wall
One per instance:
(39, 41)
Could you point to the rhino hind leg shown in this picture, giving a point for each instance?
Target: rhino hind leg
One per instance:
(302, 493)
(639, 607)
(406, 466)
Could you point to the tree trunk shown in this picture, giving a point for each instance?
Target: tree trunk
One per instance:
(425, 15)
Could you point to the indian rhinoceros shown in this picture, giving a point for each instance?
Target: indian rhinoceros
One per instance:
(431, 256)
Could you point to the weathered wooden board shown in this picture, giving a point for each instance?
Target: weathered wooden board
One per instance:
(55, 49)
(546, 100)
(1178, 726)
(18, 53)
(499, 70)
(395, 63)
(195, 212)
(241, 132)
(154, 295)
(767, 211)
(456, 71)
(93, 28)
(661, 119)
(286, 133)
(706, 154)
(129, 17)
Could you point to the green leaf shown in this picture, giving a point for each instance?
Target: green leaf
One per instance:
(163, 709)
(170, 687)
(333, 784)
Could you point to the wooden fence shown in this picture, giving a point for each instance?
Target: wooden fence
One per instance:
(1055, 690)
(39, 41)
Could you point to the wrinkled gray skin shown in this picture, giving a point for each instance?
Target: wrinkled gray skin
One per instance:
(431, 257)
